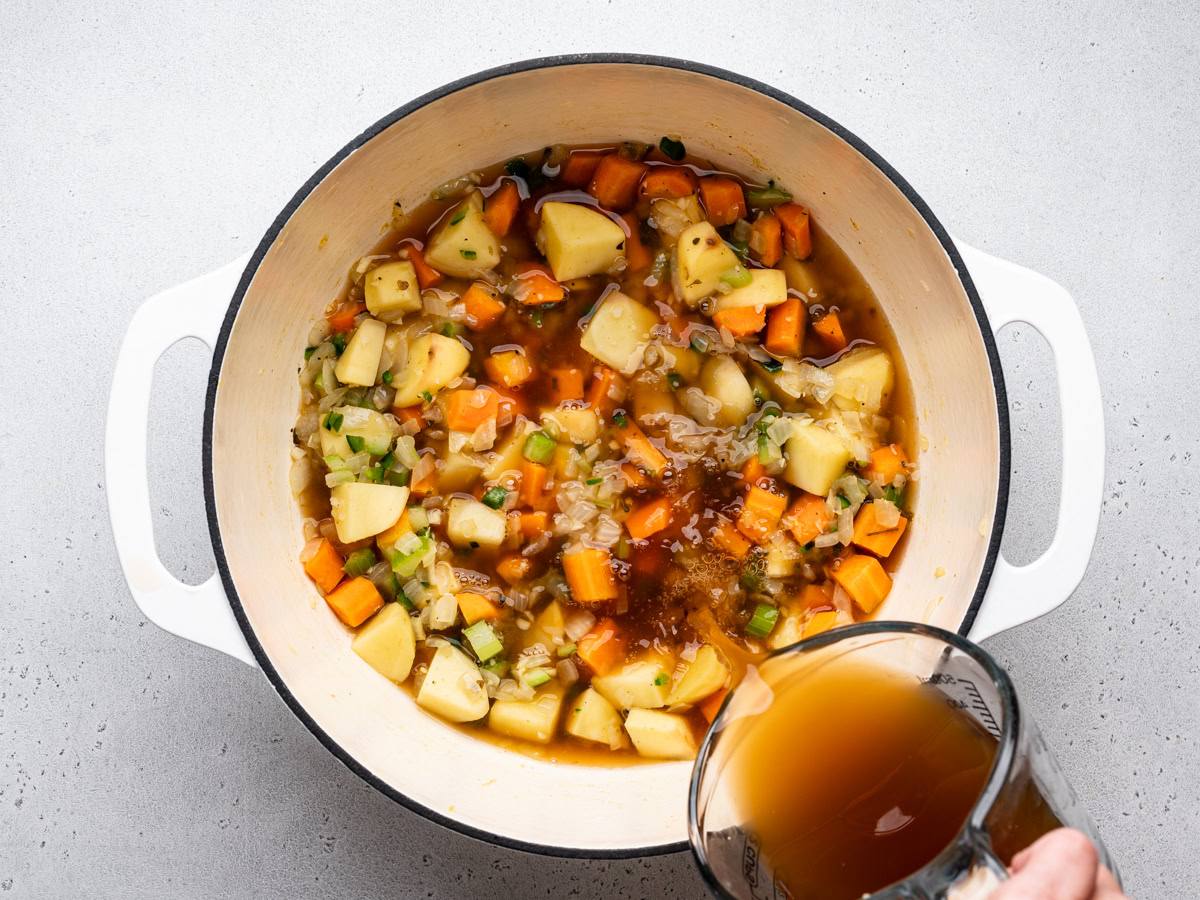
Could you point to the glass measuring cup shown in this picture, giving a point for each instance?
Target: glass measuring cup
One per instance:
(1026, 793)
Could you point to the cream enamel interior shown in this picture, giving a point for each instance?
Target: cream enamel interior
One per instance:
(379, 726)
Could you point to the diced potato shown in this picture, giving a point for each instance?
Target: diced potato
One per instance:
(701, 258)
(723, 380)
(644, 683)
(453, 687)
(471, 524)
(660, 735)
(507, 457)
(534, 720)
(434, 360)
(386, 642)
(815, 457)
(767, 288)
(459, 471)
(651, 401)
(579, 424)
(593, 718)
(782, 555)
(367, 424)
(359, 362)
(787, 632)
(801, 276)
(704, 675)
(578, 241)
(683, 360)
(546, 628)
(361, 509)
(619, 331)
(463, 246)
(862, 379)
(391, 290)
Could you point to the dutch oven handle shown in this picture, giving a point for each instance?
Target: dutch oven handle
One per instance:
(199, 613)
(1010, 293)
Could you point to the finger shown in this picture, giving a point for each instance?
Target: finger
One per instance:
(1107, 887)
(1060, 865)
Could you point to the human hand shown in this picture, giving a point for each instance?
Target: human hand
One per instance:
(1060, 865)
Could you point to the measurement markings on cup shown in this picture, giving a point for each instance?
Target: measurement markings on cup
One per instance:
(980, 706)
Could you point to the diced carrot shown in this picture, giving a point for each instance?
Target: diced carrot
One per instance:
(509, 367)
(606, 390)
(533, 482)
(427, 275)
(829, 329)
(766, 239)
(342, 319)
(807, 517)
(649, 518)
(514, 567)
(512, 403)
(637, 254)
(355, 601)
(711, 705)
(386, 539)
(500, 208)
(615, 181)
(863, 578)
(649, 561)
(753, 470)
(727, 537)
(638, 447)
(886, 463)
(580, 166)
(476, 607)
(467, 410)
(869, 535)
(741, 320)
(819, 623)
(534, 524)
(816, 596)
(590, 575)
(761, 514)
(483, 306)
(566, 384)
(785, 327)
(667, 181)
(723, 200)
(635, 476)
(797, 235)
(410, 414)
(602, 647)
(325, 566)
(534, 285)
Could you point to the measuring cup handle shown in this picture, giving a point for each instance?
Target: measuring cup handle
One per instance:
(1010, 293)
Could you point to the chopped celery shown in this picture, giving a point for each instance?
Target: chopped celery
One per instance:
(356, 443)
(389, 460)
(335, 462)
(700, 343)
(494, 497)
(763, 621)
(333, 421)
(374, 475)
(539, 447)
(404, 564)
(359, 562)
(397, 476)
(497, 666)
(418, 518)
(339, 342)
(483, 640)
(771, 365)
(673, 149)
(764, 449)
(738, 276)
(566, 650)
(377, 445)
(537, 677)
(768, 196)
(308, 352)
(342, 476)
(388, 377)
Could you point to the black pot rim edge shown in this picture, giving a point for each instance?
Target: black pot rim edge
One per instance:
(301, 195)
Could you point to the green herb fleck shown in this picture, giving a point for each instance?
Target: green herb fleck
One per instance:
(673, 380)
(339, 342)
(308, 352)
(468, 254)
(426, 396)
(594, 480)
(620, 420)
(459, 216)
(660, 679)
(356, 443)
(388, 377)
(674, 150)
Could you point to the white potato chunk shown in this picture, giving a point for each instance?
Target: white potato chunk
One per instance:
(577, 423)
(619, 331)
(367, 424)
(470, 523)
(507, 457)
(593, 718)
(459, 471)
(359, 362)
(815, 457)
(434, 360)
(361, 509)
(767, 288)
(534, 720)
(391, 290)
(801, 276)
(578, 241)
(651, 401)
(453, 687)
(723, 380)
(789, 631)
(386, 643)
(644, 683)
(862, 379)
(660, 735)
(547, 629)
(463, 245)
(701, 258)
(706, 674)
(782, 555)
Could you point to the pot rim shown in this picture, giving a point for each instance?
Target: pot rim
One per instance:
(551, 62)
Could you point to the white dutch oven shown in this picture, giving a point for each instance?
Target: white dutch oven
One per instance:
(942, 299)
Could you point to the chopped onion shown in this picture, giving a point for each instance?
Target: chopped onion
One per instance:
(418, 518)
(845, 532)
(381, 396)
(422, 470)
(578, 624)
(826, 540)
(320, 332)
(310, 549)
(443, 612)
(301, 473)
(886, 513)
(406, 452)
(435, 302)
(484, 436)
(568, 673)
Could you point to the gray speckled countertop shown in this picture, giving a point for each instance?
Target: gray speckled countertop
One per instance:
(140, 147)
